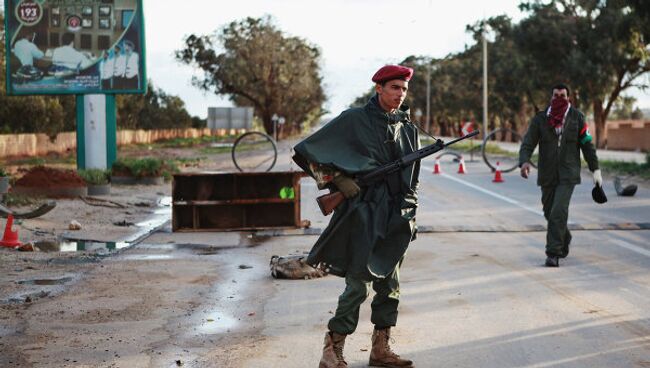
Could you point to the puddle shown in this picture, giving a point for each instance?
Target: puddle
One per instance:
(225, 311)
(82, 245)
(146, 257)
(45, 282)
(215, 322)
(161, 215)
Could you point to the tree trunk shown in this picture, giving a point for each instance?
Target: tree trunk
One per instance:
(513, 126)
(268, 123)
(599, 120)
(443, 128)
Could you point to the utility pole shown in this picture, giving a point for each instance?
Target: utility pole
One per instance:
(485, 85)
(427, 124)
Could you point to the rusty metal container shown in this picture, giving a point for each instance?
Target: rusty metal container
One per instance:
(235, 201)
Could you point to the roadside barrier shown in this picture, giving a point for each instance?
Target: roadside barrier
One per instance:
(461, 166)
(10, 237)
(436, 167)
(497, 175)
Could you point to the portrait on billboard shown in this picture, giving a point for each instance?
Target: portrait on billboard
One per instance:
(104, 10)
(104, 23)
(74, 47)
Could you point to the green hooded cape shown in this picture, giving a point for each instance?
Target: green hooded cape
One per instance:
(368, 235)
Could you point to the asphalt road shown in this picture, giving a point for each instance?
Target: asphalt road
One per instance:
(474, 292)
(484, 299)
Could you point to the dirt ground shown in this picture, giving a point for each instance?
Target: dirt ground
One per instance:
(92, 304)
(160, 303)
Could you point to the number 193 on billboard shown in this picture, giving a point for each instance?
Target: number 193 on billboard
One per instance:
(75, 46)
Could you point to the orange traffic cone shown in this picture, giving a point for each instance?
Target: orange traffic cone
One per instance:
(461, 166)
(10, 238)
(497, 175)
(436, 167)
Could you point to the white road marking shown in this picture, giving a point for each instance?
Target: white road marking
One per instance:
(632, 247)
(620, 243)
(489, 192)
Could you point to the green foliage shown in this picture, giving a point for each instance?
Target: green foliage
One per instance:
(54, 159)
(191, 142)
(598, 48)
(95, 176)
(19, 200)
(199, 123)
(144, 167)
(3, 172)
(154, 110)
(189, 161)
(624, 109)
(627, 168)
(262, 67)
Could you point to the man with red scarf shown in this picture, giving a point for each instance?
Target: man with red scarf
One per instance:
(561, 132)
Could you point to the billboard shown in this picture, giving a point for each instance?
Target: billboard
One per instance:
(230, 117)
(75, 46)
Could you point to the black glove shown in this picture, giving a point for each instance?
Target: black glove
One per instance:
(346, 185)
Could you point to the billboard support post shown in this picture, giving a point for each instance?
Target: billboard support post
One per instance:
(96, 131)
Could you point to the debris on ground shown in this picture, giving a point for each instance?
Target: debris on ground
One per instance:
(143, 204)
(123, 223)
(74, 225)
(28, 247)
(94, 201)
(293, 267)
(625, 191)
(41, 210)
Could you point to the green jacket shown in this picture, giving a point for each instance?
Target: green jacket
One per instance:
(368, 234)
(559, 162)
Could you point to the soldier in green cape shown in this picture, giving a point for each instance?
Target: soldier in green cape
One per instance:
(368, 235)
(561, 132)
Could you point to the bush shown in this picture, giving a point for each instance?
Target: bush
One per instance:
(144, 167)
(3, 172)
(95, 176)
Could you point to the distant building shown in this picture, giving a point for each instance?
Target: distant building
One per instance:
(230, 118)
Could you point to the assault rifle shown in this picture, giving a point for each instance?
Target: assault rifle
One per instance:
(328, 202)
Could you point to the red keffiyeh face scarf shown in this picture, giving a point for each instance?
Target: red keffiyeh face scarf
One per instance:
(559, 106)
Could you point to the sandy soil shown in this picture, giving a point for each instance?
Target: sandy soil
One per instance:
(141, 306)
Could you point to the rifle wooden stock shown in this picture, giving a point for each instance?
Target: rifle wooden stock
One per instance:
(328, 202)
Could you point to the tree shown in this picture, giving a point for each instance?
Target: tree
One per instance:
(599, 47)
(154, 110)
(261, 67)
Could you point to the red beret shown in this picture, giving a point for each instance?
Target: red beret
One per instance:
(390, 72)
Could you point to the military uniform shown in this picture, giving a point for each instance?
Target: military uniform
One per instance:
(368, 234)
(558, 170)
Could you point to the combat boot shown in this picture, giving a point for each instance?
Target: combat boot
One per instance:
(333, 351)
(381, 354)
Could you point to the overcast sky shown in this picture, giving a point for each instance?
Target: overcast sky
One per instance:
(356, 37)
